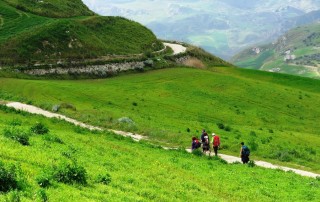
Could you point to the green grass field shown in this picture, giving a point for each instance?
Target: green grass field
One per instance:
(275, 114)
(133, 171)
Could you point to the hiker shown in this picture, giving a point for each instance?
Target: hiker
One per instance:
(244, 153)
(205, 141)
(215, 143)
(195, 143)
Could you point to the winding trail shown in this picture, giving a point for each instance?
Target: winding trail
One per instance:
(177, 48)
(137, 137)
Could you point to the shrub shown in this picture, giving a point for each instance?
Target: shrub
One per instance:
(17, 134)
(220, 126)
(70, 174)
(68, 106)
(8, 179)
(253, 145)
(40, 129)
(251, 163)
(104, 179)
(283, 156)
(16, 122)
(42, 195)
(52, 138)
(43, 180)
(252, 133)
(227, 128)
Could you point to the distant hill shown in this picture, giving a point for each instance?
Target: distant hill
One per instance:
(222, 27)
(296, 52)
(27, 37)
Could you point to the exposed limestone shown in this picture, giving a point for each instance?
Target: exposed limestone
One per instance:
(92, 69)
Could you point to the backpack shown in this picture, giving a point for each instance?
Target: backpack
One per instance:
(198, 144)
(245, 150)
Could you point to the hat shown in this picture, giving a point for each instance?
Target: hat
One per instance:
(213, 134)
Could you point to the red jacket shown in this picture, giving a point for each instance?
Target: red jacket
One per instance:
(216, 141)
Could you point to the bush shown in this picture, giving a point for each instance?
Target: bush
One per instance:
(220, 126)
(43, 180)
(52, 138)
(8, 179)
(17, 134)
(16, 122)
(39, 129)
(253, 144)
(70, 174)
(252, 133)
(104, 179)
(251, 163)
(42, 195)
(227, 128)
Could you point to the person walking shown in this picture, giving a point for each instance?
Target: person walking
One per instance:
(244, 153)
(205, 141)
(215, 143)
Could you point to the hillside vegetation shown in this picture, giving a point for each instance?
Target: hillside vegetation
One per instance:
(52, 8)
(30, 39)
(297, 52)
(275, 114)
(63, 163)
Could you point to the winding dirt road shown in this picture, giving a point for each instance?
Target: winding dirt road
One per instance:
(137, 137)
(177, 48)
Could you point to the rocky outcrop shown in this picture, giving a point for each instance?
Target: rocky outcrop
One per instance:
(105, 69)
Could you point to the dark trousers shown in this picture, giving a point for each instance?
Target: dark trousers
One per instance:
(245, 159)
(215, 149)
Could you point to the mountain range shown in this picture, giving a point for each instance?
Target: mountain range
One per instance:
(296, 52)
(220, 27)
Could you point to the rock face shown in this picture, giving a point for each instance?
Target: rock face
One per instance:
(92, 69)
(126, 120)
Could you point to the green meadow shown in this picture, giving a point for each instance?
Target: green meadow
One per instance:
(107, 167)
(276, 115)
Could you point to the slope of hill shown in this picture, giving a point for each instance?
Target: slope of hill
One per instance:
(275, 114)
(297, 52)
(28, 38)
(68, 163)
(52, 8)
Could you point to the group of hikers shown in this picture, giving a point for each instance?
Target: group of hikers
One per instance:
(215, 141)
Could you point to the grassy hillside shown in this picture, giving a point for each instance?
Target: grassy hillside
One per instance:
(275, 114)
(297, 52)
(112, 168)
(52, 8)
(31, 39)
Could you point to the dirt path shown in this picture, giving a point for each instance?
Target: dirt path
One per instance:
(137, 137)
(35, 110)
(177, 48)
